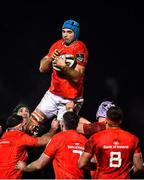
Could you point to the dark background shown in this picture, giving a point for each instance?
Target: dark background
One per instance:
(114, 34)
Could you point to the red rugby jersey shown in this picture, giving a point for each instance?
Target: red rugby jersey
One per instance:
(66, 147)
(61, 86)
(114, 149)
(13, 146)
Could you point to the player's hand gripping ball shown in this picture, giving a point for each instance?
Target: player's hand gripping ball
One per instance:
(70, 61)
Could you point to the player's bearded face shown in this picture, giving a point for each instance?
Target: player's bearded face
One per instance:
(68, 36)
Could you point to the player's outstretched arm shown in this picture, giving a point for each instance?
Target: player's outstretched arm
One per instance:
(44, 139)
(35, 165)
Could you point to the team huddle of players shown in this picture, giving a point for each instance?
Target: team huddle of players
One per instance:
(73, 143)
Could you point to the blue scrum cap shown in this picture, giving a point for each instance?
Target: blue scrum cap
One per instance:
(73, 25)
(103, 108)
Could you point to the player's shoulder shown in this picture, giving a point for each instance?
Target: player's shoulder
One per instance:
(128, 134)
(66, 135)
(57, 43)
(16, 134)
(83, 137)
(80, 43)
(59, 135)
(23, 135)
(75, 134)
(99, 133)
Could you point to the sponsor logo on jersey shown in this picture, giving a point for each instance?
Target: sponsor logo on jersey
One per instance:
(80, 57)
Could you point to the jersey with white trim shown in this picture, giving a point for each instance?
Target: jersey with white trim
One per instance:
(66, 148)
(114, 149)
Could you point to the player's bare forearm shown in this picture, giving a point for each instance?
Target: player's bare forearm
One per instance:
(32, 167)
(71, 74)
(38, 164)
(45, 64)
(35, 165)
(44, 139)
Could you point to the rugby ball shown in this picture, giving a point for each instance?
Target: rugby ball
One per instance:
(70, 61)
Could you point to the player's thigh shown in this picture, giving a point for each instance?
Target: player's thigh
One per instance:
(48, 106)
